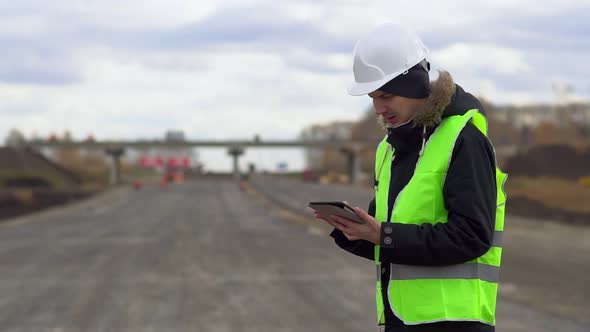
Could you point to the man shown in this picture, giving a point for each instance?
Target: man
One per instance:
(435, 225)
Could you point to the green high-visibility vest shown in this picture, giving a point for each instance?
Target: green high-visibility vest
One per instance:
(426, 294)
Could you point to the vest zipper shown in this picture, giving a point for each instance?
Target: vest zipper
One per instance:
(389, 147)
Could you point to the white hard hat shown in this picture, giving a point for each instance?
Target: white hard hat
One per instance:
(385, 53)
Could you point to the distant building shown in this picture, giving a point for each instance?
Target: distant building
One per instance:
(174, 136)
(542, 124)
(335, 131)
(534, 115)
(169, 158)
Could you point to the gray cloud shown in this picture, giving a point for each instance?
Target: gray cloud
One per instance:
(36, 64)
(561, 31)
(262, 27)
(36, 76)
(49, 54)
(553, 45)
(20, 109)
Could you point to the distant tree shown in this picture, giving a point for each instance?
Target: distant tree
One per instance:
(67, 136)
(334, 161)
(488, 107)
(68, 156)
(367, 129)
(15, 139)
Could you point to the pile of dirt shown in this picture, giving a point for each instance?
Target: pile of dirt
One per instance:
(525, 207)
(30, 182)
(560, 161)
(29, 162)
(19, 202)
(549, 162)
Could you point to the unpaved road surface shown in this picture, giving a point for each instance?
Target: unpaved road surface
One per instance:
(202, 256)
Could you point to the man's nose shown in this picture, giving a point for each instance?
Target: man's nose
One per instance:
(379, 107)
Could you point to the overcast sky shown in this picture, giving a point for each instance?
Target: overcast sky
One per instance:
(232, 68)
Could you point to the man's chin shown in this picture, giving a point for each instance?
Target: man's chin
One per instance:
(382, 123)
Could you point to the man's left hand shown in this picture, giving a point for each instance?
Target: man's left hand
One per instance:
(370, 230)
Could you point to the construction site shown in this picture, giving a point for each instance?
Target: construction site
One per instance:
(288, 166)
(82, 254)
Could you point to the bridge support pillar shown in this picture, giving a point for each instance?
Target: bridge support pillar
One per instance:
(115, 154)
(236, 152)
(353, 157)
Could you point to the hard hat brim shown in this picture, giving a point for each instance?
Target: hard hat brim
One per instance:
(360, 89)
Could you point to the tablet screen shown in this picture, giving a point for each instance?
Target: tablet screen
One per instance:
(336, 208)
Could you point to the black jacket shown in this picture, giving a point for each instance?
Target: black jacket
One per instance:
(470, 197)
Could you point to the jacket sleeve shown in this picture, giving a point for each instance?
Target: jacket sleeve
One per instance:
(360, 248)
(470, 197)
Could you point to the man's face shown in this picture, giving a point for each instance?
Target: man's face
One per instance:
(394, 110)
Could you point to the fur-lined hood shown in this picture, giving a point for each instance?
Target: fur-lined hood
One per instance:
(446, 99)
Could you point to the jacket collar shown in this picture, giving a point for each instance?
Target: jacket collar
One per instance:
(408, 137)
(443, 90)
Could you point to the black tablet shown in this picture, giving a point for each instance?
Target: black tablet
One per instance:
(336, 208)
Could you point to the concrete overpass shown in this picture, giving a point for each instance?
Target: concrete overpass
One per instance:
(115, 149)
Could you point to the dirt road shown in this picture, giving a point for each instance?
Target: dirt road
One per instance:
(202, 256)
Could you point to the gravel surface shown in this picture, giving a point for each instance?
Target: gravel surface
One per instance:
(202, 256)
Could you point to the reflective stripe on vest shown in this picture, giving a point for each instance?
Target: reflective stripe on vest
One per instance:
(424, 294)
(460, 271)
